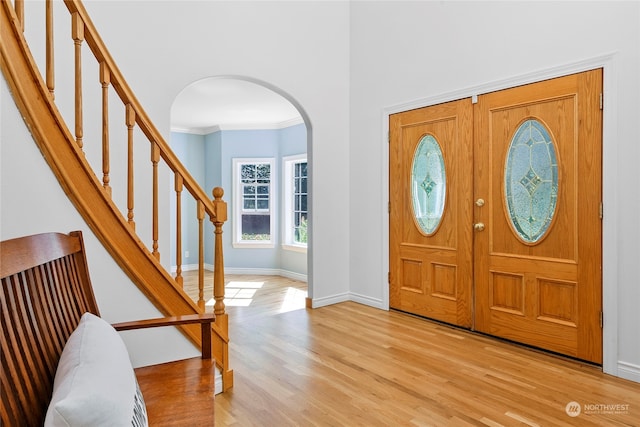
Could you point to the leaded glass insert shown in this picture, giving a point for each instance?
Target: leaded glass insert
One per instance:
(428, 184)
(531, 181)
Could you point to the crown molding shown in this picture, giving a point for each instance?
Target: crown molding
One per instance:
(239, 126)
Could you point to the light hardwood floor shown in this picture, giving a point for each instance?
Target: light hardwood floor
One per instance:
(353, 365)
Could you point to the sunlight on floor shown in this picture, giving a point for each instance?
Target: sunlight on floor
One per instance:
(293, 300)
(239, 294)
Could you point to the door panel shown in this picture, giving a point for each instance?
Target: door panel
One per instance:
(547, 292)
(430, 261)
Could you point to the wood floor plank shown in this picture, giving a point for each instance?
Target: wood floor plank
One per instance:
(352, 365)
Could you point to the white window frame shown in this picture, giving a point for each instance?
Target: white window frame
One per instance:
(288, 164)
(238, 199)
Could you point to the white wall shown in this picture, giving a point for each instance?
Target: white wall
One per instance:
(408, 51)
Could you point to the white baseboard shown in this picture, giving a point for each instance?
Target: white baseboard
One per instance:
(334, 299)
(629, 371)
(347, 296)
(191, 267)
(267, 272)
(217, 387)
(363, 299)
(293, 275)
(256, 271)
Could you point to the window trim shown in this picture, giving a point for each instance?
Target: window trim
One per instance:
(236, 240)
(288, 163)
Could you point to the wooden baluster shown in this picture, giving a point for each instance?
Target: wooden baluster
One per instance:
(105, 80)
(201, 302)
(49, 42)
(130, 121)
(178, 188)
(220, 207)
(155, 157)
(77, 33)
(19, 7)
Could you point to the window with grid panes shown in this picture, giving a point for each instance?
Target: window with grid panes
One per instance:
(295, 171)
(254, 209)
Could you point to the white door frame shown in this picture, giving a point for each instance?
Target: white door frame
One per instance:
(609, 180)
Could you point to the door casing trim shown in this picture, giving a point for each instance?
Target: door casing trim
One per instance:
(609, 180)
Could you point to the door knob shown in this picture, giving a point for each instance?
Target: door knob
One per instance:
(479, 226)
(480, 202)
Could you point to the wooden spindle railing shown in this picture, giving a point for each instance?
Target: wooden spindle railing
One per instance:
(130, 120)
(200, 214)
(105, 80)
(178, 187)
(84, 34)
(77, 33)
(49, 48)
(155, 158)
(19, 9)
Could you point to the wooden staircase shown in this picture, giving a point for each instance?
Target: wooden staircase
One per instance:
(90, 191)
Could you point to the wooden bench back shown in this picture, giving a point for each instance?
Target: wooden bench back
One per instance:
(45, 291)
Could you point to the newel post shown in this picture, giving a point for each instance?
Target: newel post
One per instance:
(220, 207)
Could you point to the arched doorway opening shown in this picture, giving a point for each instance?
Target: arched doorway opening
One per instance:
(229, 131)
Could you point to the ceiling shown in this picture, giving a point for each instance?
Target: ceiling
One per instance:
(225, 103)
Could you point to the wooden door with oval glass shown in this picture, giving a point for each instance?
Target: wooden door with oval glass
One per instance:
(495, 219)
(538, 262)
(430, 216)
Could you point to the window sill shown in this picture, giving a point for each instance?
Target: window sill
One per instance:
(295, 248)
(251, 245)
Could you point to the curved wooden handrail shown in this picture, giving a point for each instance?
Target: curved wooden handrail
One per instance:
(92, 198)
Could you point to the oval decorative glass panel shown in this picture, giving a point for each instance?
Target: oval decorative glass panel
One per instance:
(428, 184)
(531, 181)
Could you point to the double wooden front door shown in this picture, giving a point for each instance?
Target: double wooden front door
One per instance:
(495, 214)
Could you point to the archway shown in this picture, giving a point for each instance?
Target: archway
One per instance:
(214, 122)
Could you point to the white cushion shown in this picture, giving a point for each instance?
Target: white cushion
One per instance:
(95, 384)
